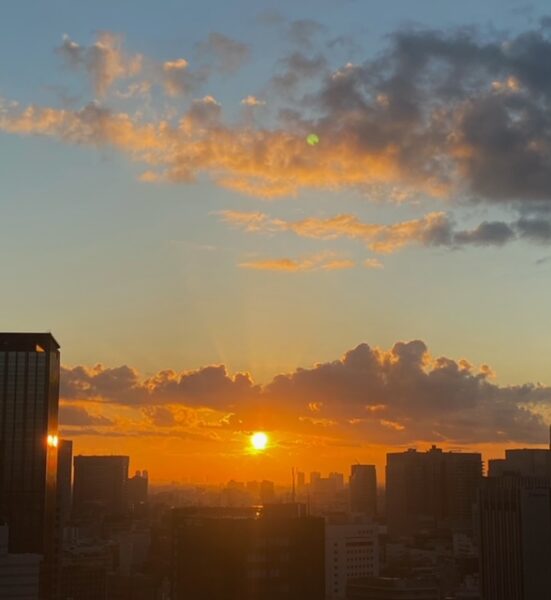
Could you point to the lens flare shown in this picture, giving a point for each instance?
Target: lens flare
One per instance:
(259, 440)
(312, 139)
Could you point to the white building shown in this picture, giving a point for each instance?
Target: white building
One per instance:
(351, 550)
(19, 573)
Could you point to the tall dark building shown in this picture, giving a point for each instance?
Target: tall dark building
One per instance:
(363, 490)
(64, 480)
(136, 490)
(514, 531)
(528, 462)
(244, 554)
(99, 487)
(428, 491)
(29, 397)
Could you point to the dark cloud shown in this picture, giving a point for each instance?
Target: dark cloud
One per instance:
(78, 416)
(495, 233)
(227, 55)
(398, 396)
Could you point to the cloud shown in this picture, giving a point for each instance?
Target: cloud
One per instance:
(396, 396)
(320, 262)
(104, 61)
(433, 229)
(373, 263)
(449, 113)
(76, 415)
(252, 101)
(178, 79)
(228, 55)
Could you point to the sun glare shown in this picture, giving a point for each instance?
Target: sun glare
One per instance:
(259, 440)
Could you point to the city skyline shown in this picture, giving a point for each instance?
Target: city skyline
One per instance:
(326, 221)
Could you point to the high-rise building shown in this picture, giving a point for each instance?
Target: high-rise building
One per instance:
(351, 551)
(246, 554)
(363, 490)
(528, 462)
(19, 573)
(392, 588)
(64, 480)
(99, 487)
(29, 397)
(136, 490)
(514, 531)
(428, 491)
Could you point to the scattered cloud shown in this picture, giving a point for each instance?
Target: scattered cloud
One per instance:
(320, 262)
(373, 263)
(226, 54)
(400, 395)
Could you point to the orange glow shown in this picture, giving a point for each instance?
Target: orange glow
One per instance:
(53, 441)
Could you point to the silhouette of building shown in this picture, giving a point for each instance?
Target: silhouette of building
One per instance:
(514, 530)
(392, 588)
(363, 490)
(136, 490)
(529, 462)
(247, 554)
(29, 397)
(64, 480)
(19, 573)
(429, 491)
(99, 486)
(351, 551)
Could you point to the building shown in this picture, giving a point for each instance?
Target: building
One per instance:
(514, 530)
(99, 486)
(431, 491)
(29, 396)
(247, 554)
(392, 588)
(64, 480)
(351, 551)
(136, 490)
(19, 573)
(363, 490)
(529, 462)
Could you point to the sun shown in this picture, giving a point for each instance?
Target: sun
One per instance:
(259, 440)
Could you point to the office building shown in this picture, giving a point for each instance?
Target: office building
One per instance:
(136, 490)
(528, 462)
(64, 480)
(351, 551)
(29, 396)
(276, 553)
(363, 490)
(514, 529)
(19, 573)
(431, 491)
(99, 487)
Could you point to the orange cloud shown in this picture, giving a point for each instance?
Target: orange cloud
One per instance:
(324, 262)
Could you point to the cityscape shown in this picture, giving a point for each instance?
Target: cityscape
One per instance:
(81, 527)
(275, 279)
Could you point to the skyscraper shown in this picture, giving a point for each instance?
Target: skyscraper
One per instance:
(426, 491)
(100, 485)
(363, 490)
(514, 530)
(29, 396)
(64, 480)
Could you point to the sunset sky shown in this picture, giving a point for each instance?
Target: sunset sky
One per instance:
(208, 273)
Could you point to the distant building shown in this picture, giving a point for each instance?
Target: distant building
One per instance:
(99, 485)
(136, 490)
(514, 531)
(363, 490)
(84, 569)
(351, 551)
(391, 588)
(19, 573)
(430, 491)
(267, 492)
(64, 480)
(29, 396)
(245, 554)
(528, 462)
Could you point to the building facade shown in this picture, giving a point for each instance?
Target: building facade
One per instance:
(363, 490)
(29, 398)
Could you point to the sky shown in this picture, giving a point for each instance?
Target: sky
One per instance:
(209, 273)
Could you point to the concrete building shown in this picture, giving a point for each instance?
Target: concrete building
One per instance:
(19, 573)
(514, 530)
(528, 462)
(431, 491)
(29, 397)
(363, 490)
(99, 486)
(351, 551)
(276, 553)
(64, 481)
(391, 588)
(136, 490)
